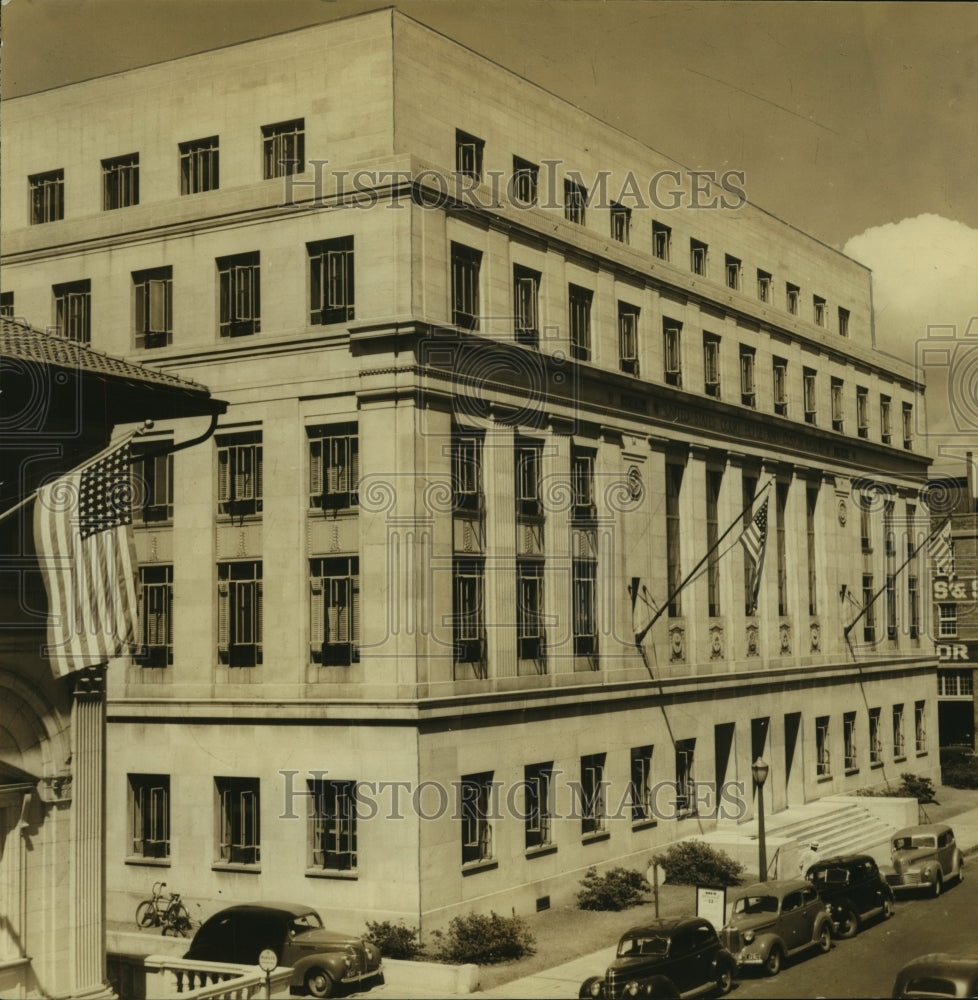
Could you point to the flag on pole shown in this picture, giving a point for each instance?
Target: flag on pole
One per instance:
(941, 551)
(83, 538)
(754, 540)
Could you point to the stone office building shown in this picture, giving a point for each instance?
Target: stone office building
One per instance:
(498, 384)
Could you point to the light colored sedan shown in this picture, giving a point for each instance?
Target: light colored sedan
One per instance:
(924, 857)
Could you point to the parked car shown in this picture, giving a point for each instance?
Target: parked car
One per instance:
(925, 856)
(854, 889)
(770, 921)
(320, 958)
(938, 975)
(664, 958)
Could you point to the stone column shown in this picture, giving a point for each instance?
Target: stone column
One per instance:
(88, 835)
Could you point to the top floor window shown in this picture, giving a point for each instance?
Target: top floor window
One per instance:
(697, 257)
(199, 165)
(466, 264)
(818, 310)
(792, 293)
(283, 147)
(575, 201)
(239, 474)
(523, 190)
(763, 286)
(47, 196)
(732, 271)
(468, 154)
(621, 221)
(661, 240)
(120, 182)
(843, 322)
(331, 287)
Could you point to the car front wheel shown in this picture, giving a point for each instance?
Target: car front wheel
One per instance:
(937, 886)
(319, 983)
(848, 924)
(887, 909)
(825, 939)
(773, 964)
(724, 980)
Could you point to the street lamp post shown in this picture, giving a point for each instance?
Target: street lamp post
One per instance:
(759, 769)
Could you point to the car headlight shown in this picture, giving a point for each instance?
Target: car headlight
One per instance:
(632, 989)
(748, 937)
(596, 988)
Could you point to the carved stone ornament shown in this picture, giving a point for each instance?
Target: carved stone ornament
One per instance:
(716, 642)
(816, 634)
(843, 512)
(677, 644)
(55, 789)
(752, 641)
(785, 638)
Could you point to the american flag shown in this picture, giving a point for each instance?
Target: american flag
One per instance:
(83, 538)
(754, 538)
(941, 551)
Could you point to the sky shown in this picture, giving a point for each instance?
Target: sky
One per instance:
(855, 122)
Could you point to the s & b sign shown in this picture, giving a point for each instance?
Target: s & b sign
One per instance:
(956, 590)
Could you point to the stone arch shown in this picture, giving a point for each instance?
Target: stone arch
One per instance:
(34, 743)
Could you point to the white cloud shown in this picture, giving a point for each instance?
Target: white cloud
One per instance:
(925, 275)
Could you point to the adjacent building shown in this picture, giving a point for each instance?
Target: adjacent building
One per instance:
(505, 386)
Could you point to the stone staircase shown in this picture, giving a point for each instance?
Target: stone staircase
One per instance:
(836, 824)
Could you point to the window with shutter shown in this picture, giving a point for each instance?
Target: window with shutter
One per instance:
(240, 294)
(155, 609)
(239, 474)
(239, 592)
(239, 830)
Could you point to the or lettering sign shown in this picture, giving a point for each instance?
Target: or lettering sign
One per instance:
(712, 904)
(956, 590)
(267, 960)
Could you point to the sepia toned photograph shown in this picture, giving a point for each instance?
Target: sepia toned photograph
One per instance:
(489, 499)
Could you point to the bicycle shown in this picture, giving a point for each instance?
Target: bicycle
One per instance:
(170, 913)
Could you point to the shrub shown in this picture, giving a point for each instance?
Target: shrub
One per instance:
(617, 889)
(959, 769)
(484, 940)
(911, 786)
(395, 940)
(693, 862)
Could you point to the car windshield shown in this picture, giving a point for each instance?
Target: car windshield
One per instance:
(830, 876)
(914, 843)
(756, 904)
(307, 922)
(642, 944)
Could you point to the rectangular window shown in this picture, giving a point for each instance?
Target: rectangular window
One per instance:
(526, 300)
(239, 278)
(686, 799)
(152, 484)
(672, 352)
(239, 613)
(149, 815)
(468, 155)
(642, 793)
(331, 286)
(621, 222)
(823, 758)
(850, 763)
(238, 802)
(579, 308)
(838, 409)
(674, 481)
(811, 399)
(120, 182)
(811, 504)
(875, 737)
(7, 305)
(525, 182)
(780, 373)
(332, 825)
(899, 741)
(731, 267)
(697, 257)
(862, 411)
(947, 621)
(466, 264)
(239, 474)
(661, 240)
(584, 573)
(711, 365)
(283, 148)
(155, 614)
(529, 460)
(152, 292)
(594, 811)
(763, 286)
(537, 812)
(781, 499)
(47, 192)
(748, 389)
(334, 611)
(530, 638)
(467, 491)
(907, 426)
(891, 606)
(582, 484)
(792, 294)
(73, 310)
(475, 793)
(468, 614)
(199, 165)
(843, 322)
(913, 607)
(865, 524)
(818, 310)
(886, 427)
(628, 338)
(575, 201)
(714, 479)
(869, 619)
(920, 726)
(334, 466)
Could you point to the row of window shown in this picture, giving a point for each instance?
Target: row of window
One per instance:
(469, 151)
(198, 162)
(898, 745)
